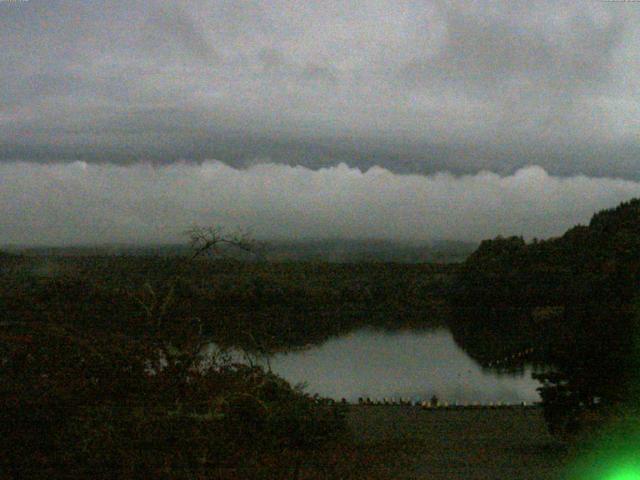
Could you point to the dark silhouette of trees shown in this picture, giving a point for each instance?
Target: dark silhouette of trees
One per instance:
(571, 299)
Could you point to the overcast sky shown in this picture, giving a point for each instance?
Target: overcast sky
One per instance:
(397, 119)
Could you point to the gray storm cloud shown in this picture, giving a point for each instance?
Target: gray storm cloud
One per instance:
(80, 203)
(413, 87)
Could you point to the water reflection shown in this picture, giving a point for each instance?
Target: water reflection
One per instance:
(409, 364)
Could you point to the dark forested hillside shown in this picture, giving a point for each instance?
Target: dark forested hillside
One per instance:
(240, 304)
(571, 299)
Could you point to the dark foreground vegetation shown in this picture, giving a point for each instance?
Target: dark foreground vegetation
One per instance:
(79, 405)
(102, 376)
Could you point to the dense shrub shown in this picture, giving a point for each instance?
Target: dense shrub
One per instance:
(75, 404)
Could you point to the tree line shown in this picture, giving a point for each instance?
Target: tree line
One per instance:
(575, 299)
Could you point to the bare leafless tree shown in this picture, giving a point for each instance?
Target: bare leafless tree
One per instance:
(210, 241)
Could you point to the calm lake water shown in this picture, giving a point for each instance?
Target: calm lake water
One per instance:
(408, 364)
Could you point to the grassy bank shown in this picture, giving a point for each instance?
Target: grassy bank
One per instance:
(410, 443)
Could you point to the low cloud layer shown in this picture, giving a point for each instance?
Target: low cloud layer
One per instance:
(80, 203)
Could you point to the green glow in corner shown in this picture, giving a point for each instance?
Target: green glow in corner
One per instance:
(625, 473)
(615, 455)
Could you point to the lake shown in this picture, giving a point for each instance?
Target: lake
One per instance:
(404, 364)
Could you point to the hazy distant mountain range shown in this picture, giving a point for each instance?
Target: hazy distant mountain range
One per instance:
(330, 250)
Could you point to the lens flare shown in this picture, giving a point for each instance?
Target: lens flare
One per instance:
(625, 473)
(615, 456)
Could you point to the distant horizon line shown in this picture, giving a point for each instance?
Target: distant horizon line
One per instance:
(304, 240)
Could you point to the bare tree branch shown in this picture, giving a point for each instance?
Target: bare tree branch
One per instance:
(209, 240)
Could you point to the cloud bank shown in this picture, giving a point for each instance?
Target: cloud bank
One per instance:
(80, 203)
